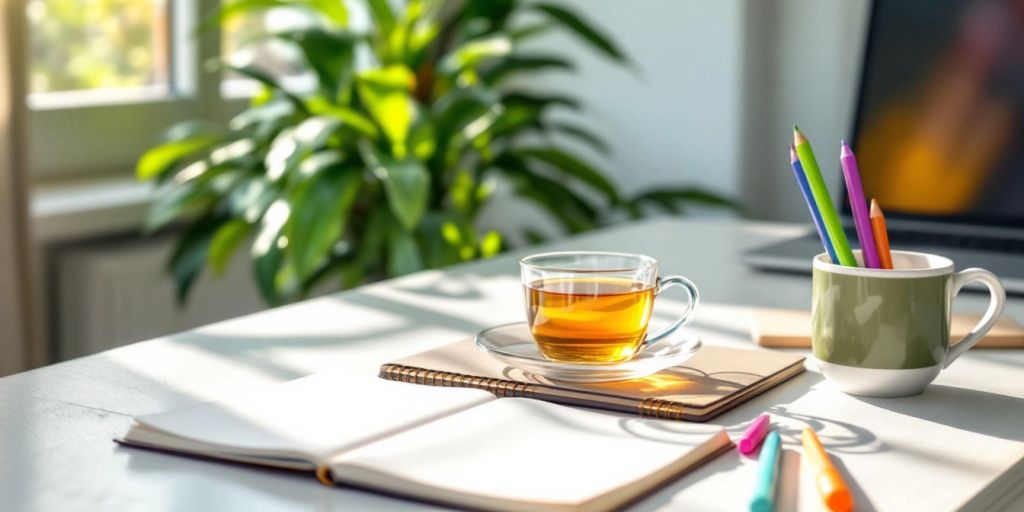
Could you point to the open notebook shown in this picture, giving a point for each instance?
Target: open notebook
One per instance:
(462, 447)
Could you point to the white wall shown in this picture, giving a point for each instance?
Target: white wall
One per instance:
(802, 66)
(674, 118)
(719, 86)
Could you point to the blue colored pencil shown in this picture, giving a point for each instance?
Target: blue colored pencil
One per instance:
(805, 188)
(763, 499)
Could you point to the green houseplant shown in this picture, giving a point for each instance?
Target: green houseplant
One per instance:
(383, 168)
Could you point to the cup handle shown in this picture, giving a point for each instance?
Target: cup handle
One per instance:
(663, 284)
(995, 308)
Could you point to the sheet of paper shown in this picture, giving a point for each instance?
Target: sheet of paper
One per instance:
(527, 451)
(321, 415)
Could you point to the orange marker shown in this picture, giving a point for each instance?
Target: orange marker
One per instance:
(830, 484)
(881, 235)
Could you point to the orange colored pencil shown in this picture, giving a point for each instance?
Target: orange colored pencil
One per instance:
(833, 490)
(881, 235)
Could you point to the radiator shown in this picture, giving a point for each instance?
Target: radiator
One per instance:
(113, 293)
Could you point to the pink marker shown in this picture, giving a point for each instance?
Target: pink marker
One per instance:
(754, 434)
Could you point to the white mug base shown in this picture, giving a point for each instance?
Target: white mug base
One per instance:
(876, 382)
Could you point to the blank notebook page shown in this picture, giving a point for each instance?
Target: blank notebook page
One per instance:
(525, 451)
(319, 415)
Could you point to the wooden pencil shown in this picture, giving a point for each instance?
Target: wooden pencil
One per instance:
(881, 236)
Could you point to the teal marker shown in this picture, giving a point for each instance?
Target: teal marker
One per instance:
(767, 471)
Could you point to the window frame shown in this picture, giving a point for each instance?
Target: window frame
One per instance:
(81, 133)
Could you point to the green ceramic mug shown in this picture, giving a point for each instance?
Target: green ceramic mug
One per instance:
(885, 333)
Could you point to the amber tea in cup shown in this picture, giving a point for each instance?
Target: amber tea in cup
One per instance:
(591, 307)
(602, 319)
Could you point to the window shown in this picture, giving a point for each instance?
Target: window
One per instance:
(106, 77)
(105, 46)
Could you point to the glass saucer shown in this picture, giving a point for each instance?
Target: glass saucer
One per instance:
(513, 344)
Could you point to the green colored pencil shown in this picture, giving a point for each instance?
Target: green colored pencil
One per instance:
(823, 200)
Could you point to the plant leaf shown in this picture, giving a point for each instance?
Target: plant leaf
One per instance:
(189, 255)
(584, 30)
(235, 8)
(528, 31)
(422, 136)
(549, 198)
(383, 16)
(534, 237)
(375, 233)
(472, 54)
(487, 16)
(583, 135)
(267, 254)
(320, 208)
(573, 211)
(441, 239)
(261, 76)
(313, 133)
(407, 186)
(403, 254)
(491, 244)
(158, 161)
(575, 167)
(224, 243)
(268, 112)
(522, 110)
(251, 198)
(329, 54)
(294, 144)
(671, 200)
(522, 63)
(179, 201)
(387, 95)
(284, 153)
(318, 163)
(460, 112)
(331, 10)
(359, 123)
(191, 129)
(539, 100)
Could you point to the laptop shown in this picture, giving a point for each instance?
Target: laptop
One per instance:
(939, 137)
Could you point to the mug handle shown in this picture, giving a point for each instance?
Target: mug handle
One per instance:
(663, 284)
(995, 308)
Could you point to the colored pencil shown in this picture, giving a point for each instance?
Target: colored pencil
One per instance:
(805, 189)
(824, 201)
(855, 193)
(763, 499)
(881, 235)
(827, 479)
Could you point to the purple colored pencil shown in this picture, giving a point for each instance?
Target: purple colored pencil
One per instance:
(861, 219)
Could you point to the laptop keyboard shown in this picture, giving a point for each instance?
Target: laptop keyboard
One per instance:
(982, 243)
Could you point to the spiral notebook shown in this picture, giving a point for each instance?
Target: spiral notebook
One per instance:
(713, 381)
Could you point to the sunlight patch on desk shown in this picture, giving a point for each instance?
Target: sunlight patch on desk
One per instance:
(324, 316)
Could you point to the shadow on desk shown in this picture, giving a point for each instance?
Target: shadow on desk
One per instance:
(966, 409)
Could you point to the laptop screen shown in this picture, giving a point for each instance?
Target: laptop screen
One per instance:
(940, 121)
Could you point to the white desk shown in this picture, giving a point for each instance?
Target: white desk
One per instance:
(932, 452)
